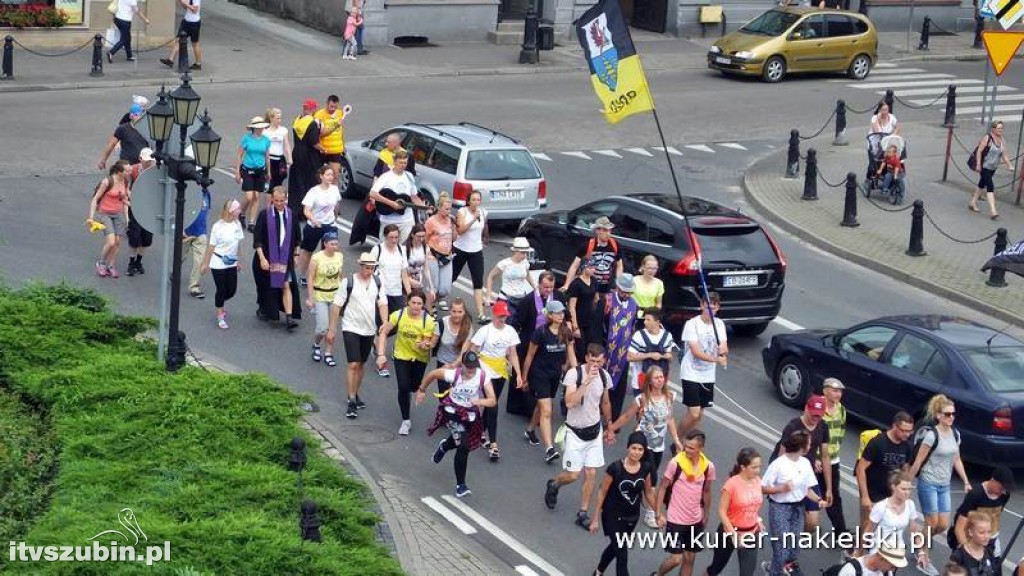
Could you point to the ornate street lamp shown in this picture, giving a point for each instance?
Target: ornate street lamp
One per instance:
(185, 101)
(160, 117)
(205, 144)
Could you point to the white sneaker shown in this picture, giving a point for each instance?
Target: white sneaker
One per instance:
(650, 520)
(404, 429)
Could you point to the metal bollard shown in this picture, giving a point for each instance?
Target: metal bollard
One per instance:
(926, 32)
(8, 66)
(811, 176)
(850, 202)
(949, 152)
(840, 138)
(916, 247)
(979, 27)
(97, 56)
(997, 276)
(890, 98)
(793, 155)
(950, 120)
(182, 52)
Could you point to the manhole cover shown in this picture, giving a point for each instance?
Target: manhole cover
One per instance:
(366, 434)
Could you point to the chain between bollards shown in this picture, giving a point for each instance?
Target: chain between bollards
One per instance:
(850, 202)
(811, 176)
(926, 32)
(916, 247)
(97, 56)
(840, 137)
(793, 154)
(997, 276)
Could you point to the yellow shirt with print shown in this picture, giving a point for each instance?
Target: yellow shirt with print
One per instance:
(328, 276)
(333, 143)
(410, 331)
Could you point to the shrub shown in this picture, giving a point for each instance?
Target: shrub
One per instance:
(32, 15)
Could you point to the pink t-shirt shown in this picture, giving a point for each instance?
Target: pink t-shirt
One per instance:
(439, 234)
(684, 508)
(744, 501)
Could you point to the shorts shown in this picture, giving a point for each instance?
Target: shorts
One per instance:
(357, 347)
(311, 236)
(322, 315)
(138, 237)
(543, 386)
(685, 537)
(698, 394)
(335, 158)
(114, 222)
(810, 505)
(191, 29)
(581, 454)
(253, 179)
(934, 498)
(985, 181)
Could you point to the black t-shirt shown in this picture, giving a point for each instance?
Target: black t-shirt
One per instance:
(977, 499)
(819, 436)
(623, 499)
(605, 258)
(586, 309)
(132, 142)
(985, 567)
(885, 456)
(550, 355)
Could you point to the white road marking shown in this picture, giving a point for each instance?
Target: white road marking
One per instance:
(700, 147)
(541, 157)
(936, 90)
(611, 153)
(787, 324)
(448, 515)
(896, 85)
(668, 149)
(907, 78)
(894, 70)
(525, 571)
(732, 145)
(965, 99)
(886, 65)
(223, 171)
(503, 536)
(979, 109)
(640, 151)
(576, 155)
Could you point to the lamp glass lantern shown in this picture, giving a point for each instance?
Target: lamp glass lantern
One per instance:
(185, 102)
(160, 117)
(205, 143)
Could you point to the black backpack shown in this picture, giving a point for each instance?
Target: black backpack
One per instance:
(835, 569)
(605, 380)
(972, 160)
(661, 347)
(919, 443)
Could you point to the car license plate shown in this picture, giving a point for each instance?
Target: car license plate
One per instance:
(721, 60)
(739, 281)
(508, 194)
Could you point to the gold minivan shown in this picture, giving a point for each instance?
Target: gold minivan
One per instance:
(798, 39)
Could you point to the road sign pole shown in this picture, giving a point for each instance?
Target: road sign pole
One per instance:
(1016, 162)
(992, 104)
(910, 24)
(165, 267)
(984, 94)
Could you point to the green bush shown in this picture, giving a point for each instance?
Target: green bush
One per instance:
(199, 457)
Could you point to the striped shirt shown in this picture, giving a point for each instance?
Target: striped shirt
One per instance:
(836, 423)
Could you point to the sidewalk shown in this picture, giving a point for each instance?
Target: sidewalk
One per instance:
(951, 268)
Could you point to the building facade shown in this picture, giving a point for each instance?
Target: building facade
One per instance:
(89, 17)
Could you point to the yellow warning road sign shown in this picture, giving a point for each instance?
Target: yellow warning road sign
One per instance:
(1001, 47)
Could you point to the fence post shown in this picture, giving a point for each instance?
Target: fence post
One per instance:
(97, 56)
(840, 139)
(890, 98)
(8, 66)
(926, 31)
(850, 202)
(811, 176)
(916, 247)
(950, 119)
(997, 276)
(182, 52)
(793, 155)
(949, 152)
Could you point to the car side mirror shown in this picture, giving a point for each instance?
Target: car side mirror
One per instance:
(796, 36)
(366, 144)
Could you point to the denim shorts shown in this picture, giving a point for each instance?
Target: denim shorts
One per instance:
(934, 498)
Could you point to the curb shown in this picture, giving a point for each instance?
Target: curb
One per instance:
(778, 156)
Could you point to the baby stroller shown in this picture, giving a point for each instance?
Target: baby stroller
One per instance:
(887, 185)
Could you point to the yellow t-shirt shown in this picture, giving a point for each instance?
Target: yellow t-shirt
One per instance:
(646, 293)
(328, 276)
(410, 331)
(333, 143)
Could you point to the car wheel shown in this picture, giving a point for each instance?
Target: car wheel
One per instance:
(345, 183)
(860, 67)
(791, 382)
(750, 330)
(774, 70)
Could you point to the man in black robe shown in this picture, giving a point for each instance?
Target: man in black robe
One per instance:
(273, 262)
(305, 157)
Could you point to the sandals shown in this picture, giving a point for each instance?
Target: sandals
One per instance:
(494, 453)
(973, 208)
(317, 355)
(329, 360)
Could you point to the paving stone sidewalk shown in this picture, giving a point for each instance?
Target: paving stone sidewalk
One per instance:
(951, 268)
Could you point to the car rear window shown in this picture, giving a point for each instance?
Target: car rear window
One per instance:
(1001, 368)
(501, 165)
(740, 245)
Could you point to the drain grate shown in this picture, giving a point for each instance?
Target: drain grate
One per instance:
(413, 42)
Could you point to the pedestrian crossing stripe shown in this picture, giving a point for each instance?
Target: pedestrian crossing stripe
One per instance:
(576, 155)
(640, 151)
(668, 149)
(611, 153)
(733, 145)
(701, 148)
(541, 157)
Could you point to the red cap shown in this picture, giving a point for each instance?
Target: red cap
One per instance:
(500, 308)
(310, 104)
(815, 405)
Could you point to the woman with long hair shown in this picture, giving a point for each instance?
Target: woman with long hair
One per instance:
(109, 208)
(416, 262)
(738, 510)
(224, 257)
(618, 502)
(415, 336)
(392, 267)
(280, 147)
(787, 481)
(320, 206)
(990, 151)
(456, 329)
(471, 232)
(516, 282)
(549, 355)
(891, 517)
(975, 554)
(440, 234)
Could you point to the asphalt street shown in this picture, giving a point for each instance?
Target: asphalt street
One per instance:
(47, 175)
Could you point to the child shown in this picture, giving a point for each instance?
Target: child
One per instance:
(651, 346)
(354, 21)
(894, 173)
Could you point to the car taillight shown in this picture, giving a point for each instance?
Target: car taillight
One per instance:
(778, 251)
(461, 191)
(687, 266)
(1002, 421)
(542, 190)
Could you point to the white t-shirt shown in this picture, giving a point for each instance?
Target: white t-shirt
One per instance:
(588, 412)
(404, 184)
(390, 266)
(514, 283)
(691, 368)
(277, 135)
(494, 343)
(465, 389)
(417, 260)
(471, 240)
(798, 473)
(126, 9)
(225, 238)
(637, 344)
(887, 127)
(191, 16)
(322, 202)
(361, 314)
(889, 524)
(849, 570)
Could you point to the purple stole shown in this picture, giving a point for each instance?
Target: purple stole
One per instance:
(621, 319)
(538, 302)
(279, 253)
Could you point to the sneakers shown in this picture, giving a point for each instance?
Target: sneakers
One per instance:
(551, 455)
(138, 266)
(359, 403)
(351, 413)
(583, 519)
(443, 305)
(404, 429)
(384, 373)
(196, 66)
(131, 267)
(110, 58)
(439, 453)
(167, 62)
(101, 269)
(531, 437)
(493, 453)
(461, 491)
(551, 494)
(113, 272)
(928, 568)
(650, 519)
(197, 293)
(222, 320)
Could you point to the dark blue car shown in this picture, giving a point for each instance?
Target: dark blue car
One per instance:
(899, 362)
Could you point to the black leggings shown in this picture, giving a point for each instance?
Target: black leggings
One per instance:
(409, 374)
(476, 266)
(461, 458)
(491, 414)
(617, 395)
(125, 28)
(226, 280)
(746, 557)
(613, 526)
(655, 459)
(985, 182)
(278, 172)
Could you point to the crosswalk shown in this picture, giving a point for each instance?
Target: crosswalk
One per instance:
(700, 149)
(919, 87)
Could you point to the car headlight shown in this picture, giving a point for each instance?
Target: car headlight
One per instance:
(744, 55)
(716, 50)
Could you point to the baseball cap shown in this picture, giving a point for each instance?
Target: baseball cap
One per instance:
(815, 405)
(470, 359)
(135, 110)
(554, 307)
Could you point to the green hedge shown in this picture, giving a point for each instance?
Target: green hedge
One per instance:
(92, 424)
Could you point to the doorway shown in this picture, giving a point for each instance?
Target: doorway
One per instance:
(646, 14)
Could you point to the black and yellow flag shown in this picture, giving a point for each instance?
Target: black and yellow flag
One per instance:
(615, 68)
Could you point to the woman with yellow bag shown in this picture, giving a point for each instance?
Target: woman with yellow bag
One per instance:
(496, 344)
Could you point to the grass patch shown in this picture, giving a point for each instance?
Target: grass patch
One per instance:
(90, 423)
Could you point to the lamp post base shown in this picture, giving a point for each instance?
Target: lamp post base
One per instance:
(176, 353)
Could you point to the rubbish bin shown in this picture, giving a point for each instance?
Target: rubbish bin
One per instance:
(546, 37)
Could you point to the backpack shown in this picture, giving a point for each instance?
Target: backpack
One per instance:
(866, 437)
(348, 296)
(835, 569)
(675, 477)
(579, 380)
(972, 160)
(394, 329)
(661, 348)
(919, 443)
(593, 242)
(458, 378)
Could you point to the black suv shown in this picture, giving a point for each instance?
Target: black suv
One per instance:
(741, 260)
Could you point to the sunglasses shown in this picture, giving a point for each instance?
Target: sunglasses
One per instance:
(949, 413)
